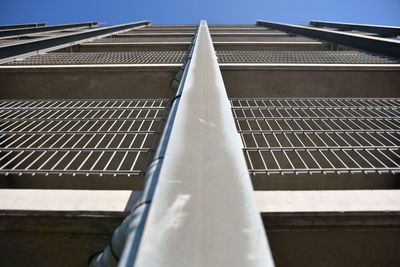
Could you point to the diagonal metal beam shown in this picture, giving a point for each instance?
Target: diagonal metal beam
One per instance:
(373, 44)
(17, 32)
(12, 50)
(382, 30)
(203, 212)
(19, 26)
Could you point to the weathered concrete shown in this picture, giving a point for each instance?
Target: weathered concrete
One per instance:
(305, 228)
(302, 80)
(81, 182)
(325, 181)
(80, 82)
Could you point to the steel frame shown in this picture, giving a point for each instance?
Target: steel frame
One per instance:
(38, 29)
(19, 26)
(373, 44)
(12, 50)
(387, 31)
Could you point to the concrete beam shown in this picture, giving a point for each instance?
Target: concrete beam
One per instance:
(25, 201)
(88, 81)
(311, 80)
(305, 228)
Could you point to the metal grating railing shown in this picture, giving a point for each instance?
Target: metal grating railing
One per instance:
(164, 30)
(138, 57)
(319, 135)
(331, 57)
(141, 39)
(263, 39)
(241, 30)
(114, 137)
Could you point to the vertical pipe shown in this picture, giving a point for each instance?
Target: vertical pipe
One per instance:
(203, 212)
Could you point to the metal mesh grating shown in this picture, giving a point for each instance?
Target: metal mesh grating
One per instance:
(139, 39)
(8, 41)
(285, 136)
(339, 57)
(262, 39)
(79, 137)
(142, 57)
(164, 30)
(241, 30)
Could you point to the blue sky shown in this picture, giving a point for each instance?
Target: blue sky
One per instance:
(383, 12)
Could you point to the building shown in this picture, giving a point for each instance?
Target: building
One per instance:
(99, 122)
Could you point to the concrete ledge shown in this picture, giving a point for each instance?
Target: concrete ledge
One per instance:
(68, 200)
(121, 201)
(328, 201)
(304, 228)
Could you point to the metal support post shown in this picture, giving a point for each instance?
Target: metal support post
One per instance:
(203, 212)
(373, 44)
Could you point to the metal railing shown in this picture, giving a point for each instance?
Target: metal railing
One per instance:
(373, 44)
(319, 135)
(87, 137)
(387, 31)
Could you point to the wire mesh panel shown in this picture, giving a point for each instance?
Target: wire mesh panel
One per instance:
(115, 137)
(164, 30)
(138, 57)
(338, 57)
(262, 39)
(140, 39)
(241, 30)
(319, 135)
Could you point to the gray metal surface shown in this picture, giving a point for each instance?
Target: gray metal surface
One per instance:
(18, 26)
(203, 212)
(319, 135)
(99, 137)
(374, 44)
(382, 30)
(144, 57)
(22, 31)
(134, 39)
(262, 39)
(322, 57)
(172, 57)
(12, 50)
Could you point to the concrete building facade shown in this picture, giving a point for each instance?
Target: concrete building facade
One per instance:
(199, 145)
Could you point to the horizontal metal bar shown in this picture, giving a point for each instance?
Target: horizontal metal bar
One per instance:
(382, 30)
(312, 107)
(320, 131)
(82, 119)
(83, 108)
(312, 148)
(19, 26)
(373, 44)
(23, 31)
(11, 50)
(325, 170)
(55, 132)
(83, 149)
(355, 118)
(71, 172)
